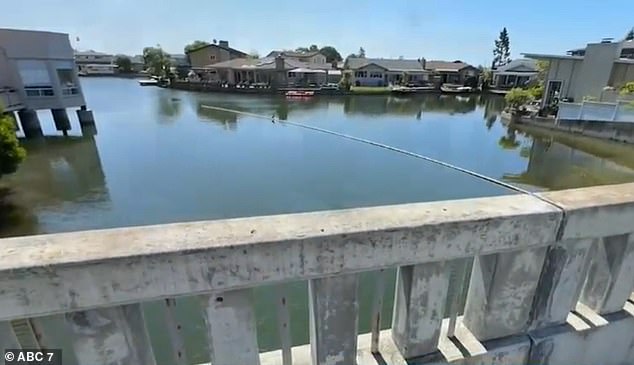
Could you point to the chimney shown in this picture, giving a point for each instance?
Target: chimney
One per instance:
(279, 63)
(224, 44)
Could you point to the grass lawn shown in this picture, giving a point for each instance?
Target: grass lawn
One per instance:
(370, 90)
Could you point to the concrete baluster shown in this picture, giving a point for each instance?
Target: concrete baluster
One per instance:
(284, 323)
(174, 330)
(231, 328)
(333, 311)
(377, 309)
(421, 294)
(561, 281)
(610, 277)
(501, 292)
(110, 336)
(8, 340)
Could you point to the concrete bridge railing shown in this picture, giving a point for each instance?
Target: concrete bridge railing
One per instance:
(550, 283)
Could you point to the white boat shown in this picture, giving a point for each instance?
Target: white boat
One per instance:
(412, 89)
(455, 89)
(148, 82)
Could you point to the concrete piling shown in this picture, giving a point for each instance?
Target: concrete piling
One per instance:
(62, 122)
(30, 123)
(85, 117)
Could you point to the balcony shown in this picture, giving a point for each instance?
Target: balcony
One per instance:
(551, 283)
(10, 99)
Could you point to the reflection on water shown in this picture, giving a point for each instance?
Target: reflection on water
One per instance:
(60, 178)
(155, 148)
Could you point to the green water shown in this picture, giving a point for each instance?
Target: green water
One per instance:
(160, 157)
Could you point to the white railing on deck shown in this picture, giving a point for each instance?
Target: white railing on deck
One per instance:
(549, 284)
(621, 112)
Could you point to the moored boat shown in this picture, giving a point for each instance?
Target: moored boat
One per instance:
(148, 82)
(455, 89)
(299, 94)
(412, 89)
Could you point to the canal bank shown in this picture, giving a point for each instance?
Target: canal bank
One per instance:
(613, 131)
(160, 158)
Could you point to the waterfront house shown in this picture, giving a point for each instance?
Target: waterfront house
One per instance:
(213, 53)
(384, 71)
(138, 63)
(37, 71)
(312, 57)
(452, 72)
(269, 70)
(588, 73)
(95, 63)
(517, 73)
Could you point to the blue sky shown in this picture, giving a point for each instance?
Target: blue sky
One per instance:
(434, 29)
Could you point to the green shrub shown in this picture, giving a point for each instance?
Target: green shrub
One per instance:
(11, 154)
(518, 97)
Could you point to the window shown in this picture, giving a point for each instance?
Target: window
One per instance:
(291, 74)
(34, 73)
(376, 75)
(361, 74)
(213, 58)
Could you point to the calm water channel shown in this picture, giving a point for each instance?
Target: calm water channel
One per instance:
(160, 157)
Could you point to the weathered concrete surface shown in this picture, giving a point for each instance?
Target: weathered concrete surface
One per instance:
(501, 292)
(596, 212)
(231, 328)
(611, 276)
(72, 271)
(561, 281)
(110, 336)
(421, 293)
(333, 308)
(612, 344)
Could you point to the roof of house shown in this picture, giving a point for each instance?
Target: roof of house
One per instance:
(292, 54)
(389, 64)
(231, 50)
(626, 45)
(90, 52)
(446, 66)
(137, 59)
(519, 65)
(266, 63)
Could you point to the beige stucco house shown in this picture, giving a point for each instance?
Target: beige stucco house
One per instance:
(590, 72)
(452, 72)
(213, 53)
(37, 71)
(384, 71)
(312, 57)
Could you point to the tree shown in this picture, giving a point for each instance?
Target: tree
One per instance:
(628, 88)
(313, 48)
(346, 81)
(301, 49)
(196, 44)
(361, 53)
(124, 64)
(331, 54)
(157, 61)
(630, 35)
(518, 97)
(11, 154)
(502, 50)
(254, 54)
